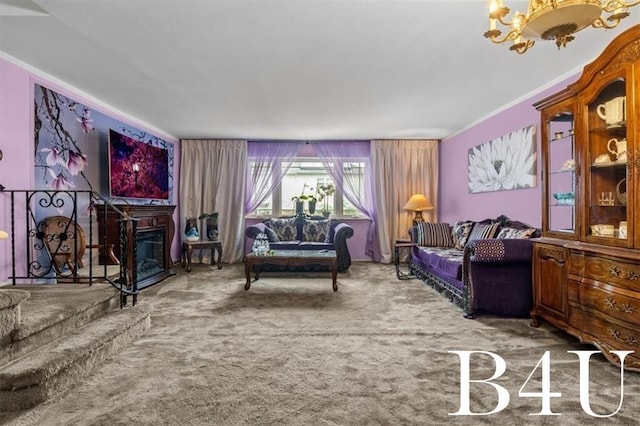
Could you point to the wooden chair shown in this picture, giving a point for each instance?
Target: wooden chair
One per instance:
(66, 242)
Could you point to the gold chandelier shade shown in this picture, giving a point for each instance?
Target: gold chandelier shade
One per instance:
(556, 20)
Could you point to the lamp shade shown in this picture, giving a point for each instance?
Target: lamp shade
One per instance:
(418, 203)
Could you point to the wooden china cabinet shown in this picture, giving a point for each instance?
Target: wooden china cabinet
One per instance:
(586, 265)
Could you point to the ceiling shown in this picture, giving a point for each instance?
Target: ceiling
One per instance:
(288, 69)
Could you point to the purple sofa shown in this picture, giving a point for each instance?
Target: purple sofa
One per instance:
(306, 233)
(487, 274)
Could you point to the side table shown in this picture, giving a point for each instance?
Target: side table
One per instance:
(189, 246)
(399, 247)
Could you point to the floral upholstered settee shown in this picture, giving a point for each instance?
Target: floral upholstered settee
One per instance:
(483, 267)
(300, 233)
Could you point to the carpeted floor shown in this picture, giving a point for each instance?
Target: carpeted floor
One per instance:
(291, 351)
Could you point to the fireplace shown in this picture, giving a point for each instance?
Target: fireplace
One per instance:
(149, 253)
(154, 230)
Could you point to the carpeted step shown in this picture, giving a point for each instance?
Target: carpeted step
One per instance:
(50, 312)
(58, 365)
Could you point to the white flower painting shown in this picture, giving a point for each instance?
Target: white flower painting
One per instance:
(508, 162)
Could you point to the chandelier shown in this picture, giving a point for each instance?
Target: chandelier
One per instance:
(555, 20)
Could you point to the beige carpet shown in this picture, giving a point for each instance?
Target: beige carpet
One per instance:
(291, 351)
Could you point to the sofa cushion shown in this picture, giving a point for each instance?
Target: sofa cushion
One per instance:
(483, 231)
(285, 229)
(508, 233)
(316, 230)
(444, 261)
(271, 235)
(310, 245)
(434, 234)
(460, 233)
(285, 245)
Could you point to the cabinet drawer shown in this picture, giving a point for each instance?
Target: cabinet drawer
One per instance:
(613, 336)
(617, 272)
(153, 222)
(622, 307)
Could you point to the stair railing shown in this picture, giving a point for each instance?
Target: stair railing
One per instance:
(56, 257)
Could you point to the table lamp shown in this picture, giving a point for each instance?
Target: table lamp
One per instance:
(418, 203)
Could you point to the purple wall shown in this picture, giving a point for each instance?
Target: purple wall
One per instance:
(17, 144)
(456, 202)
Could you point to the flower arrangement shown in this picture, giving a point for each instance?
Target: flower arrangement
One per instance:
(324, 192)
(303, 196)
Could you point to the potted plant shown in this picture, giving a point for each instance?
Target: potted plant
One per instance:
(325, 191)
(312, 204)
(211, 225)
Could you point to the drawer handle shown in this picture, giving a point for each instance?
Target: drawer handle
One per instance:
(615, 271)
(629, 340)
(612, 304)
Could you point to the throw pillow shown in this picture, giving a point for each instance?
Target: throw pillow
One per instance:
(434, 234)
(316, 230)
(483, 231)
(506, 233)
(271, 235)
(460, 233)
(285, 229)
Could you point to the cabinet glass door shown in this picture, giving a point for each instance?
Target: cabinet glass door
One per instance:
(607, 165)
(561, 167)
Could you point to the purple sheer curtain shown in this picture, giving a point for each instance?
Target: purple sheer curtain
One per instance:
(267, 171)
(333, 155)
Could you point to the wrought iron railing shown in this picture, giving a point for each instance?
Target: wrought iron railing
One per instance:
(48, 232)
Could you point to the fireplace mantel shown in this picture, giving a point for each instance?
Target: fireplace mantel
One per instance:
(153, 237)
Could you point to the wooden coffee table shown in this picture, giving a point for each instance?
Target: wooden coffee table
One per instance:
(292, 258)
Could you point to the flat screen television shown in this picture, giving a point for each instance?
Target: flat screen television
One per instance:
(137, 169)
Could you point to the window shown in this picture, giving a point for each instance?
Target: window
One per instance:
(306, 176)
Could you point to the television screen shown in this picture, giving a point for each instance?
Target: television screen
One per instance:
(137, 169)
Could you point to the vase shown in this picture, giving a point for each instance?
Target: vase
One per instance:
(299, 207)
(212, 229)
(191, 229)
(312, 206)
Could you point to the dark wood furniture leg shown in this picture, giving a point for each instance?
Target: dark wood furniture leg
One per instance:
(218, 249)
(189, 253)
(247, 273)
(334, 275)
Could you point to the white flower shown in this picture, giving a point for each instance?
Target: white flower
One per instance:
(507, 162)
(54, 157)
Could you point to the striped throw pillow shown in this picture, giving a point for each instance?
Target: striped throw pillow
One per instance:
(483, 231)
(433, 234)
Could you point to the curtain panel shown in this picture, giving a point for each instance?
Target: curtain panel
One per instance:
(402, 168)
(267, 171)
(212, 178)
(336, 153)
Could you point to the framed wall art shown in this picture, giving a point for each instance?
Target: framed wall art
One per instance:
(505, 163)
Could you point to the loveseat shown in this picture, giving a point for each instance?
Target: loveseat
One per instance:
(306, 233)
(483, 267)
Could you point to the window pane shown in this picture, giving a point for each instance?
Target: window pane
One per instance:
(301, 178)
(354, 180)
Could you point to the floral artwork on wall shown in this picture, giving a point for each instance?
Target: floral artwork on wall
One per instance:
(505, 163)
(71, 145)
